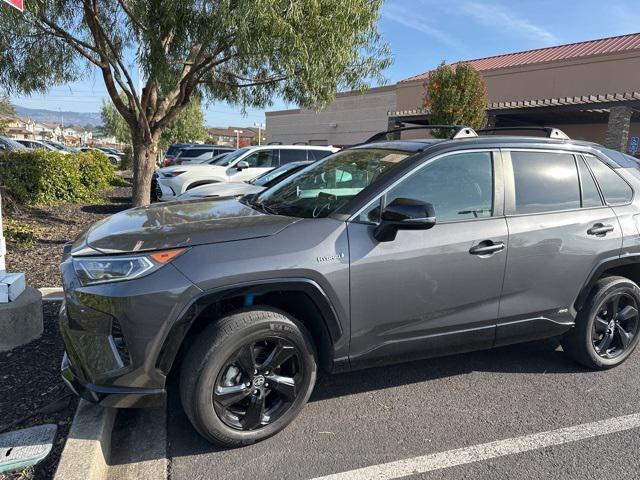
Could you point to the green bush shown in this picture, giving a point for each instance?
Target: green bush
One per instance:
(45, 177)
(127, 162)
(19, 234)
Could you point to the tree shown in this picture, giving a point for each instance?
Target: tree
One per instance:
(187, 126)
(456, 95)
(243, 52)
(6, 110)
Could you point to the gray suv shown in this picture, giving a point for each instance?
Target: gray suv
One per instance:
(384, 252)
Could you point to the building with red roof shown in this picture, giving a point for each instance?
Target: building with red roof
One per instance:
(590, 89)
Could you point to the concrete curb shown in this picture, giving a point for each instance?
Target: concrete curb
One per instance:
(53, 294)
(86, 453)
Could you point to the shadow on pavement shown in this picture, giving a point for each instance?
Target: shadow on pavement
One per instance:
(543, 357)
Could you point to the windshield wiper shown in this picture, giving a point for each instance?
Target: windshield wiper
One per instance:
(262, 207)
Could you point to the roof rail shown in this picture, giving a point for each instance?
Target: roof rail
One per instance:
(550, 131)
(459, 131)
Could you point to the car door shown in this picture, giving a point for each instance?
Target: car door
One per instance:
(435, 291)
(559, 230)
(260, 161)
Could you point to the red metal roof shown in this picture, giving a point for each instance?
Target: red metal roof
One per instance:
(589, 48)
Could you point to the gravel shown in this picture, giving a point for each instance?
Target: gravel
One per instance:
(33, 392)
(56, 225)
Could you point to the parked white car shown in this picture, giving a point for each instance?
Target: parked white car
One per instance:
(36, 145)
(243, 164)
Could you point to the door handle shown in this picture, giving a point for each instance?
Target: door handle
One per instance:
(600, 230)
(486, 247)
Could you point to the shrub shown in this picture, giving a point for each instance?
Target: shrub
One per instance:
(45, 177)
(127, 162)
(19, 234)
(96, 171)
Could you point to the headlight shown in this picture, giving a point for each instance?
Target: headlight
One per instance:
(94, 270)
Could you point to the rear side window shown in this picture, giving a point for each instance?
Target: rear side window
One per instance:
(614, 189)
(194, 152)
(545, 182)
(590, 194)
(288, 156)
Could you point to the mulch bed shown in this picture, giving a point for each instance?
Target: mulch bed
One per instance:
(57, 225)
(33, 392)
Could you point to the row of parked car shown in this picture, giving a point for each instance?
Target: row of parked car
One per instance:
(199, 171)
(10, 145)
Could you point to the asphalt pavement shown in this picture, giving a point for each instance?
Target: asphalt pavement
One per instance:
(454, 417)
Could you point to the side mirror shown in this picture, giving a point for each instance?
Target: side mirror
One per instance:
(241, 165)
(404, 214)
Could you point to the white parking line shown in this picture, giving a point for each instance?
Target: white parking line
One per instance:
(485, 451)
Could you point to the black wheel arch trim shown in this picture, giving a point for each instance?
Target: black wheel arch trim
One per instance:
(596, 274)
(174, 339)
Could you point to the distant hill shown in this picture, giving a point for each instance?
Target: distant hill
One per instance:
(51, 116)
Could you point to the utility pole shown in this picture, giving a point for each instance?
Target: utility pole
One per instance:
(260, 127)
(237, 132)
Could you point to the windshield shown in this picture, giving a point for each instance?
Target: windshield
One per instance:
(265, 178)
(218, 159)
(323, 187)
(226, 161)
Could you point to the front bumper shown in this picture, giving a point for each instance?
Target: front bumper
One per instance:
(107, 396)
(114, 335)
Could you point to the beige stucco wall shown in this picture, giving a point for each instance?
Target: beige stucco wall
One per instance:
(595, 75)
(350, 118)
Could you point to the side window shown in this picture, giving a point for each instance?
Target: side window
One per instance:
(614, 189)
(545, 182)
(459, 186)
(318, 154)
(261, 159)
(288, 156)
(590, 194)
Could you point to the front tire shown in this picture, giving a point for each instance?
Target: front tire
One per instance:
(247, 376)
(607, 326)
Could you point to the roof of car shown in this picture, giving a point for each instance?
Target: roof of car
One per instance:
(615, 159)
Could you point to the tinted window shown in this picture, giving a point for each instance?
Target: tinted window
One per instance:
(459, 186)
(194, 152)
(288, 156)
(590, 194)
(545, 182)
(614, 189)
(261, 159)
(318, 154)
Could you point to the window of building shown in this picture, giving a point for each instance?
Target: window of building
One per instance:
(614, 189)
(545, 182)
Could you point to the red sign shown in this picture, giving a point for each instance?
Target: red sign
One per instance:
(19, 4)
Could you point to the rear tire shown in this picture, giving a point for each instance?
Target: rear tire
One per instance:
(247, 376)
(607, 326)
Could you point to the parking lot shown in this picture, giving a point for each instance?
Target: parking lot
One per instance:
(374, 417)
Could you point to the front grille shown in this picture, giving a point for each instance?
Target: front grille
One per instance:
(119, 343)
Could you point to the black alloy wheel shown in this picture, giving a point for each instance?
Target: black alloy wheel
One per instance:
(607, 325)
(258, 383)
(616, 325)
(247, 376)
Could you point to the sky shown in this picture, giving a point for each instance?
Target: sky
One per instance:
(422, 34)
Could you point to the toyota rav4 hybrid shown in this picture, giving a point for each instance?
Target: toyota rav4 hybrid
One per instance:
(384, 252)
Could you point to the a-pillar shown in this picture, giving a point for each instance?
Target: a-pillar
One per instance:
(618, 129)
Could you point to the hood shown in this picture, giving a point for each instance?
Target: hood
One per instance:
(178, 224)
(222, 189)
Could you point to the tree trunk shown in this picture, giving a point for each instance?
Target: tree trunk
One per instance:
(144, 159)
